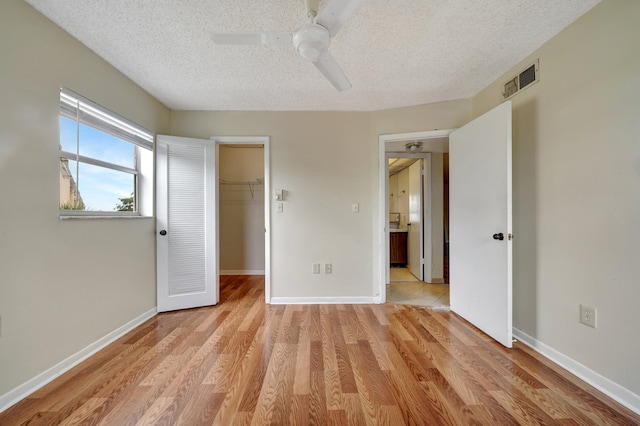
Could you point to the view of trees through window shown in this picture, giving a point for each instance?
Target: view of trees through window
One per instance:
(92, 185)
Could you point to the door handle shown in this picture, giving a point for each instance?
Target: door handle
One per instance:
(499, 236)
(163, 232)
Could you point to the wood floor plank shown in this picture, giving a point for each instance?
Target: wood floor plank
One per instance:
(367, 400)
(317, 399)
(353, 409)
(333, 390)
(299, 410)
(202, 408)
(301, 384)
(328, 347)
(520, 408)
(260, 365)
(243, 362)
(277, 389)
(84, 412)
(412, 400)
(377, 334)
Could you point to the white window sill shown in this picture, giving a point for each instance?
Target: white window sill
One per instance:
(66, 217)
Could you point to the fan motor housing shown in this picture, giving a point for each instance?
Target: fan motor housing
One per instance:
(311, 40)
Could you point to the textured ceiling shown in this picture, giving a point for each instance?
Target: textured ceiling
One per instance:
(396, 53)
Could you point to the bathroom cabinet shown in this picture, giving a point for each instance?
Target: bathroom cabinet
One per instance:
(398, 249)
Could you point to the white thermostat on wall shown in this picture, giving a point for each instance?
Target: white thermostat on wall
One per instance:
(279, 195)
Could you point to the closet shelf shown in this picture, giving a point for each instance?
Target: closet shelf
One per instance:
(258, 181)
(249, 183)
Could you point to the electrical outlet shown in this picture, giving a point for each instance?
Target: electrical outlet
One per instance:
(328, 268)
(588, 316)
(315, 268)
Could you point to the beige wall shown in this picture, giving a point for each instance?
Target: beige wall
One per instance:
(325, 161)
(241, 209)
(322, 161)
(63, 284)
(576, 174)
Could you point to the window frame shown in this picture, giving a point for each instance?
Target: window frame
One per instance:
(81, 110)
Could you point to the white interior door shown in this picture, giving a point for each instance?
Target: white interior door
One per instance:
(186, 233)
(480, 212)
(415, 234)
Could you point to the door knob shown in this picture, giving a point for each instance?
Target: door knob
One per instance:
(163, 232)
(499, 236)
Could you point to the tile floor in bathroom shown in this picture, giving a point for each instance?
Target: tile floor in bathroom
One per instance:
(407, 289)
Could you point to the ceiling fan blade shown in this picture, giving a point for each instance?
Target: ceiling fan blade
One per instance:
(252, 38)
(332, 71)
(336, 13)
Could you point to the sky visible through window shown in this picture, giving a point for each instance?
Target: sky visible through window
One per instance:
(100, 188)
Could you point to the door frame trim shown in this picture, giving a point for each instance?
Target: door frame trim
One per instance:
(383, 204)
(258, 140)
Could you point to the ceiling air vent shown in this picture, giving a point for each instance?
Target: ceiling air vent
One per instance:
(524, 79)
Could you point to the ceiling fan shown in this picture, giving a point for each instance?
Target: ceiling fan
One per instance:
(311, 40)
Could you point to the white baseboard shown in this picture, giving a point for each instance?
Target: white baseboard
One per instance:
(322, 300)
(242, 272)
(27, 388)
(621, 394)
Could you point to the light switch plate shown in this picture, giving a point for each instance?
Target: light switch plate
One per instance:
(355, 208)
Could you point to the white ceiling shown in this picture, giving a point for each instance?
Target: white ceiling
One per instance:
(396, 53)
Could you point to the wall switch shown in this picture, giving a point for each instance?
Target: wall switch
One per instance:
(315, 268)
(588, 316)
(328, 268)
(355, 208)
(279, 207)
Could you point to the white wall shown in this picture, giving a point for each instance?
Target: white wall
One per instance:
(241, 209)
(63, 284)
(403, 197)
(576, 174)
(437, 218)
(393, 194)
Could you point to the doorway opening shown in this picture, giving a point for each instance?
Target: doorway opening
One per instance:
(242, 205)
(420, 278)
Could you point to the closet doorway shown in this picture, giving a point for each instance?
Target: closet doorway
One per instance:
(243, 207)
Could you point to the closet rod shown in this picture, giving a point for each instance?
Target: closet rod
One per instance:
(258, 181)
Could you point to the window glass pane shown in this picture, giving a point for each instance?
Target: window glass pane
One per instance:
(102, 146)
(70, 199)
(68, 134)
(105, 189)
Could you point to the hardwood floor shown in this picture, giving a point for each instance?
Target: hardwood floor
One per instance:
(247, 363)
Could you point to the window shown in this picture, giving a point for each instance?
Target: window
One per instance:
(103, 160)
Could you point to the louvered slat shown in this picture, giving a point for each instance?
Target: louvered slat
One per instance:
(186, 218)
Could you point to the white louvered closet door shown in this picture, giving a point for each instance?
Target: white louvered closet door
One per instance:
(185, 227)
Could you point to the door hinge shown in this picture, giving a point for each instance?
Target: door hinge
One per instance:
(510, 236)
